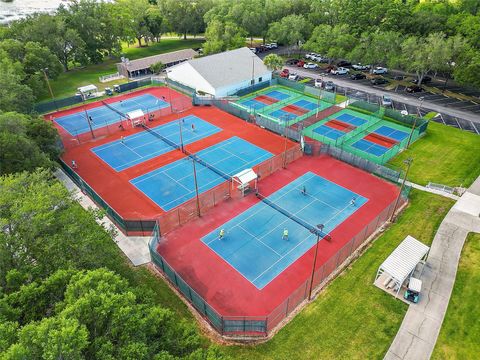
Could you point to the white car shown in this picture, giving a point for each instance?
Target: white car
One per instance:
(318, 83)
(310, 66)
(379, 70)
(273, 45)
(386, 100)
(360, 67)
(293, 77)
(340, 71)
(309, 55)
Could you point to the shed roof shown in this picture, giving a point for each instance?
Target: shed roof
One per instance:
(229, 67)
(87, 88)
(166, 58)
(403, 260)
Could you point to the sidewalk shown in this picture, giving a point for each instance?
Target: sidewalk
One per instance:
(419, 331)
(134, 247)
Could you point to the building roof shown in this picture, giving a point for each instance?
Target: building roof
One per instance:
(229, 67)
(166, 58)
(403, 260)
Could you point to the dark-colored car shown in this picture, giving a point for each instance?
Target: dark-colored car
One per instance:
(426, 79)
(300, 63)
(344, 63)
(358, 76)
(414, 89)
(378, 81)
(284, 73)
(399, 77)
(292, 61)
(329, 68)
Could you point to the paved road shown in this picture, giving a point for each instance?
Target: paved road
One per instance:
(379, 92)
(419, 331)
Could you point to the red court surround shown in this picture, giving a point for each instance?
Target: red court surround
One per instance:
(114, 187)
(226, 290)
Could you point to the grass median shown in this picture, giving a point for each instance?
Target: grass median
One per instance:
(351, 319)
(445, 155)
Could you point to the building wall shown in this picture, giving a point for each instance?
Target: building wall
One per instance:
(187, 75)
(233, 88)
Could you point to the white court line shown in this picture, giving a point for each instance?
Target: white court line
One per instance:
(258, 239)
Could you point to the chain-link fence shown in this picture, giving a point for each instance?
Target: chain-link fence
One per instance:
(248, 326)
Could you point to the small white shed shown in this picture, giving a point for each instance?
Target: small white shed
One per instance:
(88, 91)
(401, 263)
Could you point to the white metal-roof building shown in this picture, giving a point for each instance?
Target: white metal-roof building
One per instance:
(401, 263)
(221, 74)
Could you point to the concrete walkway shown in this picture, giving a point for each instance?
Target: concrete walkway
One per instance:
(134, 247)
(433, 191)
(419, 331)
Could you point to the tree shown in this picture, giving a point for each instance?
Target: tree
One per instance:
(379, 47)
(222, 36)
(422, 55)
(93, 315)
(181, 15)
(273, 62)
(157, 67)
(334, 42)
(134, 18)
(14, 95)
(290, 30)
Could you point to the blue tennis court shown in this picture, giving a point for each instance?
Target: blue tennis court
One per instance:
(283, 115)
(391, 133)
(173, 184)
(370, 147)
(329, 132)
(350, 119)
(253, 243)
(140, 147)
(277, 95)
(254, 104)
(308, 105)
(76, 124)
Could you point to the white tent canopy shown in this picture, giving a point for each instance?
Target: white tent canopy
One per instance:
(135, 114)
(244, 177)
(87, 91)
(402, 262)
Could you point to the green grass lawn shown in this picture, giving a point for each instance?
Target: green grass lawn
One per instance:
(445, 155)
(460, 334)
(67, 83)
(352, 319)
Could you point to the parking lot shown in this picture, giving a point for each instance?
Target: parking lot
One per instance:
(364, 90)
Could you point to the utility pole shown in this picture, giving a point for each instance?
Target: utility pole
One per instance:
(320, 227)
(415, 121)
(407, 162)
(49, 87)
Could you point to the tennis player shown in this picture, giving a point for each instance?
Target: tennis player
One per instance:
(74, 164)
(285, 234)
(304, 190)
(222, 234)
(122, 139)
(193, 127)
(352, 202)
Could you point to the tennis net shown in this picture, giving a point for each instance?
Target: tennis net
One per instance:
(311, 228)
(113, 109)
(207, 165)
(161, 137)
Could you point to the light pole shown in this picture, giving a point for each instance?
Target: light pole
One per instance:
(253, 70)
(320, 227)
(169, 91)
(49, 87)
(88, 119)
(196, 186)
(407, 162)
(181, 135)
(415, 121)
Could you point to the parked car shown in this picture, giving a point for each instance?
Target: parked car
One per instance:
(273, 45)
(380, 70)
(358, 76)
(426, 79)
(309, 56)
(399, 77)
(340, 71)
(292, 61)
(310, 66)
(330, 86)
(301, 63)
(318, 83)
(378, 81)
(293, 76)
(344, 63)
(330, 68)
(386, 100)
(360, 67)
(414, 89)
(254, 50)
(285, 73)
